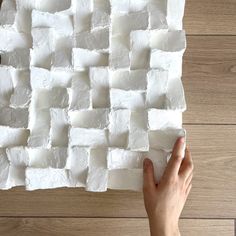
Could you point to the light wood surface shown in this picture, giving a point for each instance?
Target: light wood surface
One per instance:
(106, 227)
(213, 194)
(209, 77)
(212, 17)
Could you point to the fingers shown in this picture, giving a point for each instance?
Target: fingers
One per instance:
(176, 158)
(149, 184)
(186, 168)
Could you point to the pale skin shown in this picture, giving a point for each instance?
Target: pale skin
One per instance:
(165, 201)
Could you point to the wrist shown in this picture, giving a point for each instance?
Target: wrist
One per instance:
(163, 228)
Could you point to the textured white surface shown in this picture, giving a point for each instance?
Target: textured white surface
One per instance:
(88, 89)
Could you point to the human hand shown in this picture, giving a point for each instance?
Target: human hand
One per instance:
(164, 201)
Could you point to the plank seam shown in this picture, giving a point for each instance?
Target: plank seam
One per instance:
(105, 217)
(212, 124)
(212, 35)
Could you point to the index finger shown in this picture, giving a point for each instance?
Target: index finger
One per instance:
(177, 156)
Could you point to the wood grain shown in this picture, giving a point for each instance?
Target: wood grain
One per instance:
(212, 17)
(105, 227)
(209, 77)
(213, 194)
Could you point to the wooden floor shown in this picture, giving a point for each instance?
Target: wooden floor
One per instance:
(210, 84)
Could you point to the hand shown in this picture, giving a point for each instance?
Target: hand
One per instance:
(164, 201)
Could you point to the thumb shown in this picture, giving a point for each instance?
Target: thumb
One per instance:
(148, 176)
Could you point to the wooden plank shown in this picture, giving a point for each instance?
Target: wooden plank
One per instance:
(101, 227)
(210, 17)
(213, 194)
(206, 227)
(209, 77)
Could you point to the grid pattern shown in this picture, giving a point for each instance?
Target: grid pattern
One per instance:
(88, 88)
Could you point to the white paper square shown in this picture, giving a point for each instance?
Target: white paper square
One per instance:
(88, 137)
(78, 163)
(84, 58)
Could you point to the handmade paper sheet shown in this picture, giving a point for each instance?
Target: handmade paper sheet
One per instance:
(88, 89)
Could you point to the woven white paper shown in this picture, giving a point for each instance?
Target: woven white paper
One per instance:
(88, 89)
